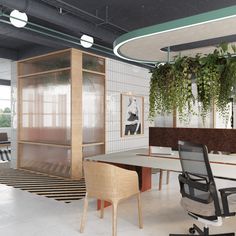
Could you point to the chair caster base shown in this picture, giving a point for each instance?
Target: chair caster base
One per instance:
(192, 230)
(204, 232)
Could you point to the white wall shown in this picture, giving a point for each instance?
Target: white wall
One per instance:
(5, 74)
(123, 78)
(163, 120)
(5, 69)
(14, 114)
(223, 122)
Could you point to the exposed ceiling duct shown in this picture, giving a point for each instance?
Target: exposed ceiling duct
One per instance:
(104, 21)
(9, 53)
(39, 10)
(10, 31)
(57, 24)
(48, 43)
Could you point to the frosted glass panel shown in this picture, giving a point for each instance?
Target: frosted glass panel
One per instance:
(93, 108)
(46, 108)
(94, 63)
(93, 150)
(46, 159)
(52, 62)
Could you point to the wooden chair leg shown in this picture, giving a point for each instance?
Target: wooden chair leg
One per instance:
(140, 216)
(102, 209)
(84, 216)
(160, 179)
(167, 177)
(114, 218)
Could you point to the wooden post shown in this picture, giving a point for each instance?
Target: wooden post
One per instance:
(76, 114)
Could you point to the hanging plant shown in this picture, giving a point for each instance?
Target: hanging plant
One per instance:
(208, 82)
(171, 88)
(214, 75)
(227, 81)
(160, 98)
(184, 99)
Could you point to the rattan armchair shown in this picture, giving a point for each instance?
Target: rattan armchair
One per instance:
(109, 183)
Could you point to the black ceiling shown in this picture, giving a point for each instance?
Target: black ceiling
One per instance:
(133, 14)
(105, 20)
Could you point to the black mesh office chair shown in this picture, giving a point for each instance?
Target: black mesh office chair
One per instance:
(199, 193)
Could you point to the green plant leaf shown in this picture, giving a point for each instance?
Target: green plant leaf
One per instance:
(214, 75)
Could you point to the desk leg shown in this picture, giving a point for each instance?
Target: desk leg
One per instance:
(99, 202)
(167, 177)
(146, 179)
(160, 179)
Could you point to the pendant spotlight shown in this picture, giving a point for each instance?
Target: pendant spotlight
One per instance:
(18, 19)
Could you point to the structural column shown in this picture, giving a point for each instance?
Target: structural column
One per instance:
(76, 114)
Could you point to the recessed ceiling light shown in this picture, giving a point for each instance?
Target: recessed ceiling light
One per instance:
(18, 19)
(86, 41)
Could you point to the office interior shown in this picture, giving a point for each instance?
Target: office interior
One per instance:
(71, 73)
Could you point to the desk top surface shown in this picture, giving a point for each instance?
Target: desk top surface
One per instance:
(222, 165)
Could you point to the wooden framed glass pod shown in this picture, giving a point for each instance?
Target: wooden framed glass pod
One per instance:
(61, 111)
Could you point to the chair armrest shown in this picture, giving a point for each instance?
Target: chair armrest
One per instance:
(228, 190)
(127, 182)
(194, 183)
(225, 192)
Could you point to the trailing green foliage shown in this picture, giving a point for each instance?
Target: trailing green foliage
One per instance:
(215, 78)
(5, 117)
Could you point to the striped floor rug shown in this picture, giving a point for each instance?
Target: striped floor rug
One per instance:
(52, 187)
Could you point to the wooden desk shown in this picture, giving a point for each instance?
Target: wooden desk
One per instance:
(222, 165)
(5, 144)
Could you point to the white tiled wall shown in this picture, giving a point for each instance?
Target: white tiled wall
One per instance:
(123, 78)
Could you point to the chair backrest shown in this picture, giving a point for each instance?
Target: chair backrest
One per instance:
(107, 182)
(197, 181)
(3, 137)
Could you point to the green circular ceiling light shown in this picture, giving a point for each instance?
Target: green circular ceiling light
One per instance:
(145, 45)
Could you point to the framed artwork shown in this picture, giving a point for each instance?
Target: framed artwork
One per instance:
(132, 121)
